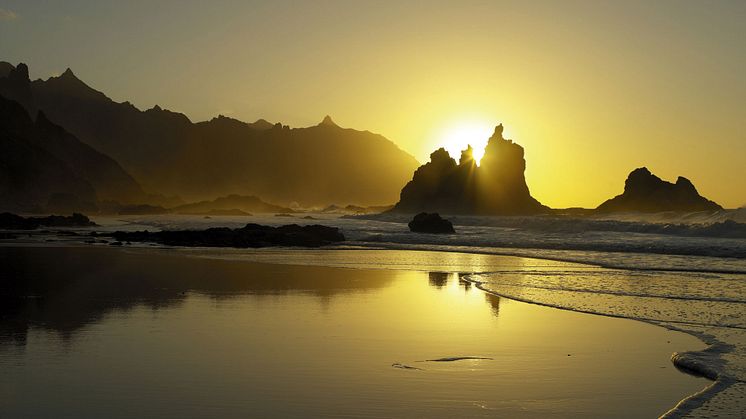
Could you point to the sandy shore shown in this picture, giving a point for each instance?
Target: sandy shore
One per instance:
(91, 332)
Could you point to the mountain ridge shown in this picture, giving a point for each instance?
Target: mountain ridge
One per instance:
(166, 152)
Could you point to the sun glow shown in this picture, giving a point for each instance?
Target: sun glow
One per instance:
(460, 135)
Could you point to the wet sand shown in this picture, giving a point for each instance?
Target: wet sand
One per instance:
(105, 332)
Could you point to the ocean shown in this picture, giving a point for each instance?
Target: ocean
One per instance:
(681, 272)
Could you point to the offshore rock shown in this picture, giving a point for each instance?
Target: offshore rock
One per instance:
(646, 192)
(496, 187)
(252, 235)
(430, 223)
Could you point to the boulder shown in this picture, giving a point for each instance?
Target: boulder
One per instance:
(250, 236)
(9, 221)
(430, 223)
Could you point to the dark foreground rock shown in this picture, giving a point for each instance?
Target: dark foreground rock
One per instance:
(646, 192)
(252, 235)
(430, 223)
(9, 221)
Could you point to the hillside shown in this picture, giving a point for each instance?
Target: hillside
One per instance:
(168, 153)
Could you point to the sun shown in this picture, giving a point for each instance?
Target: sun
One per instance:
(457, 136)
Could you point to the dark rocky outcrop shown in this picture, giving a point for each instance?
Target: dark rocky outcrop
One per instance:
(10, 221)
(252, 235)
(352, 209)
(168, 153)
(496, 187)
(134, 209)
(246, 204)
(645, 192)
(430, 223)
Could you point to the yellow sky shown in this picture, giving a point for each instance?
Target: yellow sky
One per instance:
(591, 90)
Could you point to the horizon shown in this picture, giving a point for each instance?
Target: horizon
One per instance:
(626, 79)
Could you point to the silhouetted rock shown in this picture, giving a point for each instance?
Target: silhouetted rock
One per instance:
(645, 192)
(430, 223)
(327, 121)
(496, 187)
(231, 212)
(247, 204)
(168, 153)
(261, 124)
(332, 208)
(135, 209)
(10, 221)
(5, 68)
(15, 85)
(356, 209)
(252, 235)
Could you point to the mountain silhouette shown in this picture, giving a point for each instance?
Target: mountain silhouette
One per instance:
(5, 68)
(168, 153)
(245, 204)
(32, 178)
(646, 192)
(496, 187)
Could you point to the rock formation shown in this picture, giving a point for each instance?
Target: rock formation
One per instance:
(645, 192)
(430, 223)
(252, 235)
(496, 187)
(10, 221)
(247, 204)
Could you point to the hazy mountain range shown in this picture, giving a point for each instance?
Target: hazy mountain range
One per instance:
(168, 154)
(43, 167)
(65, 146)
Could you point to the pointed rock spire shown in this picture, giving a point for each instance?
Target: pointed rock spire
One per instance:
(467, 156)
(498, 132)
(20, 73)
(68, 74)
(328, 121)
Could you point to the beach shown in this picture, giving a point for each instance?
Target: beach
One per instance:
(91, 331)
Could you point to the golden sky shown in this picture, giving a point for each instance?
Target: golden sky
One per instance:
(591, 89)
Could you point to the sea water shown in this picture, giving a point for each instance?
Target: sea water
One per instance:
(685, 273)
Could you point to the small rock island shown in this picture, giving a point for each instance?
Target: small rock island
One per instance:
(497, 186)
(646, 192)
(249, 236)
(430, 223)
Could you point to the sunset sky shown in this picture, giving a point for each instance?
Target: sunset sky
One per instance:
(591, 89)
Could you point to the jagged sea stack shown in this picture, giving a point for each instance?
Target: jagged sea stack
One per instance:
(496, 187)
(646, 192)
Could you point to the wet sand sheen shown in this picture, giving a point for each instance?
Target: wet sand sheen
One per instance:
(121, 333)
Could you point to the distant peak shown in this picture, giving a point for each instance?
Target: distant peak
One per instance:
(68, 74)
(19, 73)
(261, 124)
(328, 121)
